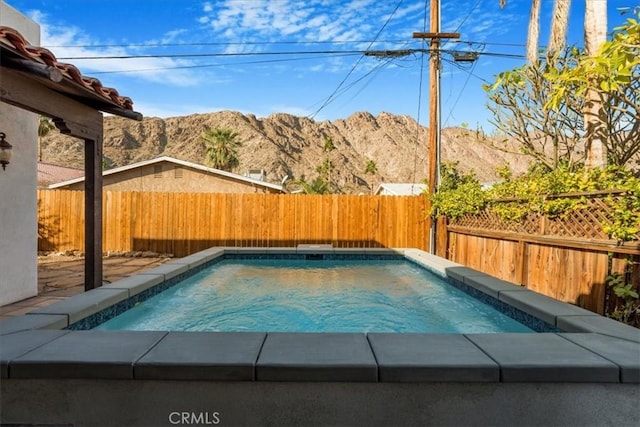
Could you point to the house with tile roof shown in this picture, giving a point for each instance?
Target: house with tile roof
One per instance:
(168, 174)
(50, 174)
(34, 82)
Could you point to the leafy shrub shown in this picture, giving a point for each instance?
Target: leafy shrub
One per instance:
(542, 191)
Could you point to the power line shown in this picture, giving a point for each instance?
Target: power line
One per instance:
(179, 67)
(244, 43)
(464, 86)
(457, 30)
(208, 55)
(330, 98)
(327, 54)
(395, 53)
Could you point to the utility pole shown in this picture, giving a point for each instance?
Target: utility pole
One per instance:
(434, 103)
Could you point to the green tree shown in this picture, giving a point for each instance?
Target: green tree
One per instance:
(328, 146)
(613, 77)
(327, 167)
(371, 169)
(517, 100)
(222, 148)
(317, 186)
(45, 125)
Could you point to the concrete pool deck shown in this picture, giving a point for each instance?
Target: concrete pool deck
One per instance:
(61, 277)
(587, 374)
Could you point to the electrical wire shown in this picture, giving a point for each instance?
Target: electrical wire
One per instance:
(330, 42)
(463, 20)
(353, 68)
(223, 44)
(464, 86)
(467, 71)
(206, 55)
(327, 54)
(182, 67)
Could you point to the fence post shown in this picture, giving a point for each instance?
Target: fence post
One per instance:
(521, 263)
(442, 237)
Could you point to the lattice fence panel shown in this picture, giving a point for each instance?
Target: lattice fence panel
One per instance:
(586, 223)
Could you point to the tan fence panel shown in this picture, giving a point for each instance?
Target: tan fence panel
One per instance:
(563, 257)
(184, 223)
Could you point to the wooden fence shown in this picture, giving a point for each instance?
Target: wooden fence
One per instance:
(184, 223)
(565, 257)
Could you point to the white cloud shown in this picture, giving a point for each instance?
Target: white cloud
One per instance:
(71, 42)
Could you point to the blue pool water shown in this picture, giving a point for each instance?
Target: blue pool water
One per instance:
(298, 295)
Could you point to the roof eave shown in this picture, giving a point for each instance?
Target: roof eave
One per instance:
(53, 79)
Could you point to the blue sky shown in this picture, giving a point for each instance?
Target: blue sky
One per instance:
(179, 57)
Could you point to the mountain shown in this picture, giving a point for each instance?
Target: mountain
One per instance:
(286, 145)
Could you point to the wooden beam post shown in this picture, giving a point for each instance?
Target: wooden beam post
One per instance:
(93, 213)
(92, 137)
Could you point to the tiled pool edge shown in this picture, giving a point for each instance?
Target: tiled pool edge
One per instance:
(595, 354)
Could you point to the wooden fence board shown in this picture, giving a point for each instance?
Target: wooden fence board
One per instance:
(181, 224)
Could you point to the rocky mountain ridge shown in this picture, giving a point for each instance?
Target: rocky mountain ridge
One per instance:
(289, 146)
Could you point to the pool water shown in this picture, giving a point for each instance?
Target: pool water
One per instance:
(296, 295)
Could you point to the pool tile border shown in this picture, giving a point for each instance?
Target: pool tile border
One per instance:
(599, 348)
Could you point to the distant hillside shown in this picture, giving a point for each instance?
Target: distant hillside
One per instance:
(286, 145)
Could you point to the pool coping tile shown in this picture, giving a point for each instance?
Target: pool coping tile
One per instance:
(312, 248)
(431, 358)
(491, 285)
(433, 263)
(169, 270)
(86, 354)
(12, 346)
(544, 357)
(33, 321)
(211, 356)
(614, 349)
(260, 250)
(83, 305)
(334, 357)
(541, 306)
(136, 284)
(600, 324)
(197, 259)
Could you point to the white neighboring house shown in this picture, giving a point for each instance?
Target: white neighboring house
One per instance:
(400, 189)
(18, 207)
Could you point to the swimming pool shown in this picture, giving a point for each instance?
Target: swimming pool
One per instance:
(54, 358)
(297, 294)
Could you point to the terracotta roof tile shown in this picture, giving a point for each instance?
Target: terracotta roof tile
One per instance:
(13, 39)
(51, 174)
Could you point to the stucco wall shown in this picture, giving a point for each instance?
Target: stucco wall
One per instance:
(227, 403)
(18, 219)
(173, 178)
